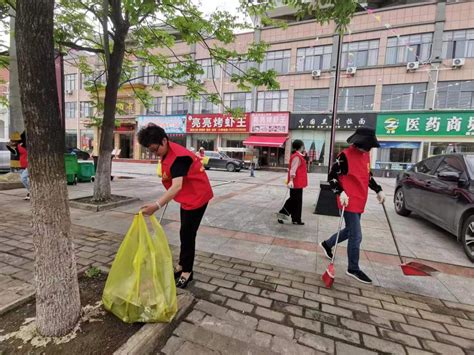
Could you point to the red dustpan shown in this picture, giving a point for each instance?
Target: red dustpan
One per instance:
(411, 268)
(330, 274)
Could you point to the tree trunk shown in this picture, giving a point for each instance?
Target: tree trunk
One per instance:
(57, 291)
(102, 189)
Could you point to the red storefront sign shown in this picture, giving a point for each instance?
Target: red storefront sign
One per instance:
(269, 122)
(217, 123)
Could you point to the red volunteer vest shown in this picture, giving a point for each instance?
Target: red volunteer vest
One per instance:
(23, 156)
(196, 190)
(300, 181)
(356, 182)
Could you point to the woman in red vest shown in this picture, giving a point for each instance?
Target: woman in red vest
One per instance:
(25, 179)
(187, 183)
(350, 179)
(297, 181)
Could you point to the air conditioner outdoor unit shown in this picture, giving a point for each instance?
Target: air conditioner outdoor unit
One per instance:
(316, 74)
(200, 81)
(458, 62)
(413, 66)
(69, 92)
(351, 70)
(170, 84)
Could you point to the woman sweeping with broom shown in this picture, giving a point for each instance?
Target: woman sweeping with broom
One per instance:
(350, 179)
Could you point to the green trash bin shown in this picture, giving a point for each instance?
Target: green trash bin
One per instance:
(86, 171)
(72, 168)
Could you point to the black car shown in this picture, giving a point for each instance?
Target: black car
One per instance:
(219, 160)
(441, 189)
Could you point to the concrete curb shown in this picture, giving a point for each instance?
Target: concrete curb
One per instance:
(153, 336)
(30, 296)
(10, 185)
(96, 208)
(17, 303)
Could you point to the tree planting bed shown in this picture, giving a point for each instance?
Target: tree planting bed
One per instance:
(104, 334)
(88, 203)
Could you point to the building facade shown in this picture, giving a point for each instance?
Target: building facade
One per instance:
(396, 60)
(4, 77)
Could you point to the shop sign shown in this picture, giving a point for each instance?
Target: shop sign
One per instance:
(269, 122)
(400, 145)
(344, 121)
(439, 123)
(173, 124)
(124, 128)
(217, 123)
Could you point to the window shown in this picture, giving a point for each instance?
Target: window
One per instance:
(85, 109)
(413, 48)
(401, 155)
(176, 105)
(313, 58)
(310, 100)
(237, 67)
(451, 164)
(87, 140)
(426, 166)
(458, 44)
(70, 110)
(149, 77)
(71, 139)
(155, 107)
(360, 54)
(278, 61)
(403, 97)
(437, 148)
(135, 75)
(207, 144)
(204, 106)
(70, 82)
(272, 101)
(210, 70)
(88, 80)
(455, 95)
(238, 100)
(85, 81)
(470, 163)
(356, 98)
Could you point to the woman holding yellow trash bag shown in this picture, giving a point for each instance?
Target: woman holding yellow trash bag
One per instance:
(186, 182)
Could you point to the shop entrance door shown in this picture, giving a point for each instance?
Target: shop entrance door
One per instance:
(272, 156)
(126, 146)
(207, 144)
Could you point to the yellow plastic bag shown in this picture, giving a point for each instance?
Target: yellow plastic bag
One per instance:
(140, 286)
(205, 160)
(159, 170)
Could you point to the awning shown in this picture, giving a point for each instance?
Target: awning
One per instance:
(265, 141)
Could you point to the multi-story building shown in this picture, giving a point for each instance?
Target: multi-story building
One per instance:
(4, 77)
(407, 69)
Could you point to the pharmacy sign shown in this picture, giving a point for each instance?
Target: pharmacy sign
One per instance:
(428, 123)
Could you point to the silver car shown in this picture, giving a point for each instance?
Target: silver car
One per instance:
(4, 157)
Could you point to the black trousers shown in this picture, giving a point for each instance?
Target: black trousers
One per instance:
(190, 222)
(294, 205)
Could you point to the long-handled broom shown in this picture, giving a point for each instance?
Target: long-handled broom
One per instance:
(280, 215)
(410, 268)
(330, 274)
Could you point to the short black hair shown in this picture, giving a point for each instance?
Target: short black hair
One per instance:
(151, 134)
(297, 144)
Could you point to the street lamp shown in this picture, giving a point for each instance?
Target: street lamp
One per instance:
(326, 203)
